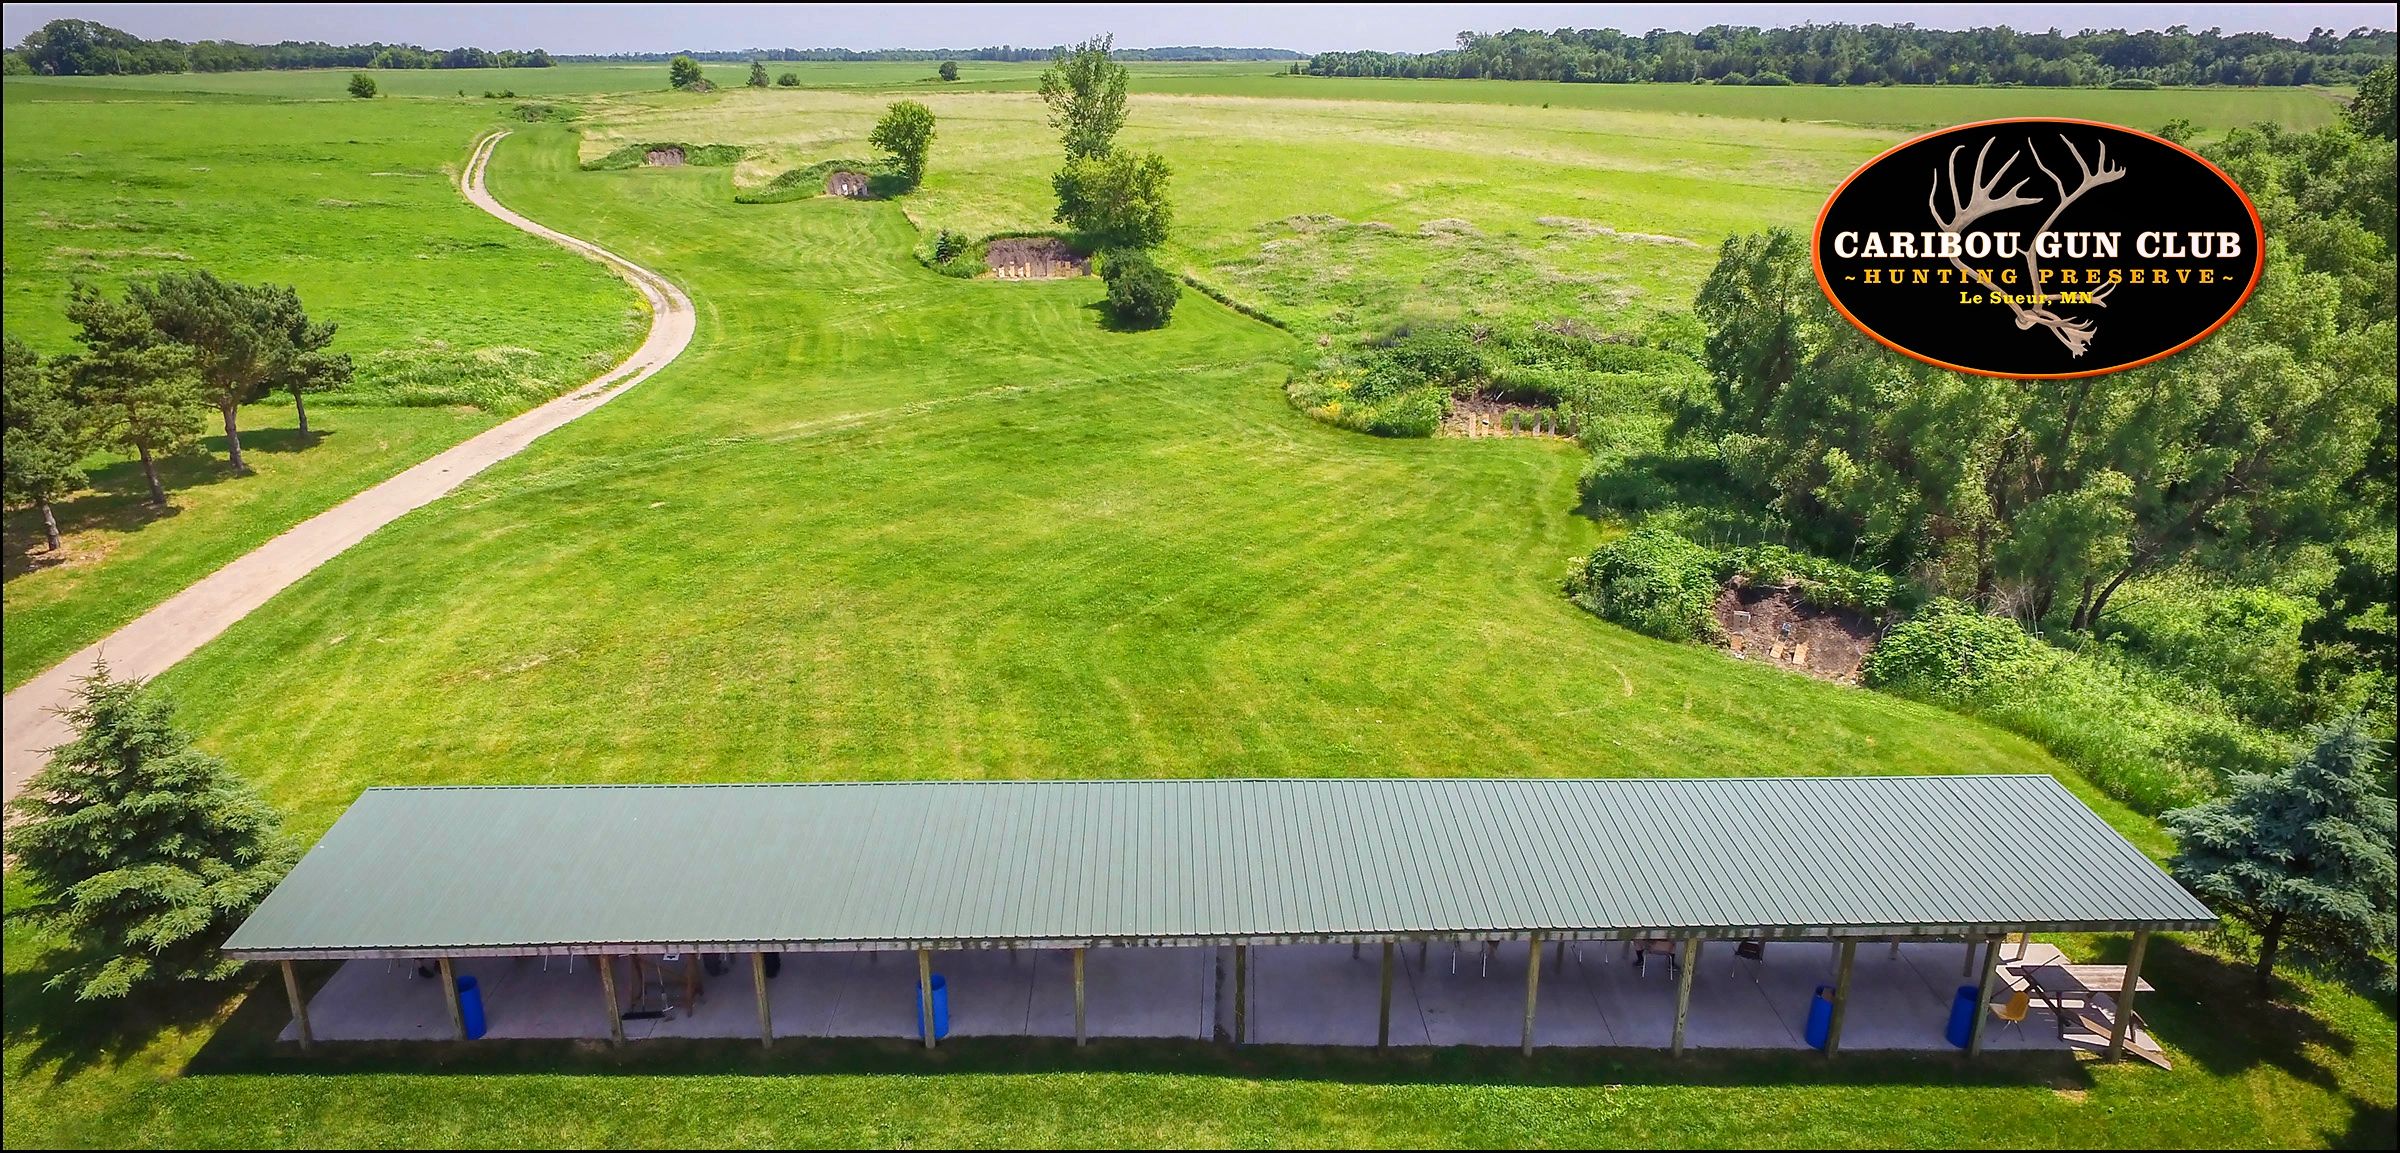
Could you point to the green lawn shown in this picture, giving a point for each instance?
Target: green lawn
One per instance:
(351, 203)
(877, 523)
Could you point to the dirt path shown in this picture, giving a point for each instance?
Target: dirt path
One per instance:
(29, 724)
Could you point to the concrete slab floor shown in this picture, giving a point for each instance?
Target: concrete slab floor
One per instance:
(1591, 994)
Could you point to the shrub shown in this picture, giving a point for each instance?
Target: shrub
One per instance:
(684, 72)
(2134, 83)
(788, 80)
(362, 86)
(1140, 293)
(699, 155)
(948, 70)
(802, 183)
(1651, 581)
(1770, 78)
(2243, 642)
(758, 75)
(1950, 652)
(1733, 78)
(2143, 737)
(1821, 582)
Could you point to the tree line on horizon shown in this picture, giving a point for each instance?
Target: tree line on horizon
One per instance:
(89, 48)
(1857, 54)
(997, 53)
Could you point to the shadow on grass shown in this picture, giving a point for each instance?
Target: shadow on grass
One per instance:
(1110, 322)
(52, 1026)
(118, 499)
(2208, 1008)
(246, 1044)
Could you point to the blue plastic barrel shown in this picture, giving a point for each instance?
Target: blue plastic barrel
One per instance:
(1963, 1007)
(941, 1008)
(470, 1006)
(1820, 1017)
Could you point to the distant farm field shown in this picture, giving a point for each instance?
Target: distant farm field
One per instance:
(878, 523)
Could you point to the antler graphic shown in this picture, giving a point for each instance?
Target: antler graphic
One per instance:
(2075, 334)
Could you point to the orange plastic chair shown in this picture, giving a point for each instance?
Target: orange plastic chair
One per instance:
(2013, 1013)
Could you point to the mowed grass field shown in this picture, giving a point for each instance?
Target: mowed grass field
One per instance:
(877, 524)
(352, 203)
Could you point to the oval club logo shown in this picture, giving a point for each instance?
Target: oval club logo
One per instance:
(2038, 248)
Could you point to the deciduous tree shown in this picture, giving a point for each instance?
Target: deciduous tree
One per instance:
(142, 850)
(1085, 90)
(906, 135)
(758, 75)
(1115, 200)
(684, 72)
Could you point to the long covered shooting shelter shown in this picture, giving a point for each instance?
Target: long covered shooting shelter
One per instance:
(1182, 897)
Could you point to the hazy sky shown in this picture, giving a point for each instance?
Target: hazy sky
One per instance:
(600, 28)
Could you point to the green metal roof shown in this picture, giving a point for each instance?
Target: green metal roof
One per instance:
(731, 867)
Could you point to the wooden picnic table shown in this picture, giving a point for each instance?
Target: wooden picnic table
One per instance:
(2052, 983)
(2109, 979)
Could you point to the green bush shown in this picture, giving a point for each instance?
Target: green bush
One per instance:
(1950, 652)
(2143, 736)
(1651, 581)
(700, 155)
(1770, 78)
(2243, 642)
(1140, 293)
(2134, 83)
(1733, 78)
(788, 80)
(1821, 582)
(956, 254)
(801, 183)
(362, 86)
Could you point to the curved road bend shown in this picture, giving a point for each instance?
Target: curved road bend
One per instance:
(29, 723)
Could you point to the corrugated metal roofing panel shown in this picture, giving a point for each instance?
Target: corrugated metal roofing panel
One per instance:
(586, 867)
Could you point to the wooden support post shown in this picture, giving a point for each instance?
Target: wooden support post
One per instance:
(1241, 994)
(608, 989)
(1841, 998)
(925, 994)
(1559, 960)
(1079, 1034)
(1683, 995)
(1983, 992)
(458, 1021)
(1895, 948)
(1383, 1018)
(1533, 988)
(2024, 943)
(691, 983)
(1423, 947)
(291, 989)
(2123, 1028)
(758, 982)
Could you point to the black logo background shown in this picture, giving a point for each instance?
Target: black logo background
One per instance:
(2164, 189)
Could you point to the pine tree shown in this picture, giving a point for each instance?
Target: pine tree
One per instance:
(135, 385)
(44, 439)
(2304, 857)
(144, 851)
